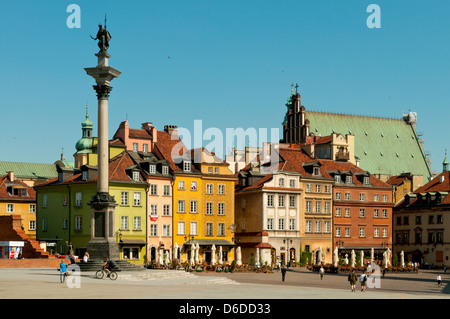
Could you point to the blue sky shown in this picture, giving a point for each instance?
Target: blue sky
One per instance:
(231, 65)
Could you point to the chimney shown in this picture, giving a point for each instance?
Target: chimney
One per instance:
(11, 176)
(147, 126)
(170, 128)
(442, 178)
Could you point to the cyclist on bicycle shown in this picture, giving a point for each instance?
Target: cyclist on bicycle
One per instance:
(107, 266)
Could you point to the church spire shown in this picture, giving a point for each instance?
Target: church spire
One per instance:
(445, 164)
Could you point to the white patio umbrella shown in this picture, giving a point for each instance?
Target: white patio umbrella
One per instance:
(238, 256)
(197, 252)
(167, 259)
(160, 257)
(372, 255)
(220, 255)
(388, 256)
(213, 254)
(321, 255)
(402, 259)
(336, 257)
(257, 256)
(361, 261)
(175, 252)
(352, 260)
(192, 255)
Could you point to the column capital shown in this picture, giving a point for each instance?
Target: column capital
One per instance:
(102, 91)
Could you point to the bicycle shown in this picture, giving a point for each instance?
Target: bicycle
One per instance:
(102, 272)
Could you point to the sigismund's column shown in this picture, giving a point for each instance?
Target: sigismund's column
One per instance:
(103, 242)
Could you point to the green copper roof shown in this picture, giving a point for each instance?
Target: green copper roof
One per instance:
(29, 170)
(383, 145)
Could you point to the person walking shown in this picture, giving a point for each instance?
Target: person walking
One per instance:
(321, 271)
(283, 272)
(352, 279)
(86, 257)
(363, 280)
(439, 280)
(62, 271)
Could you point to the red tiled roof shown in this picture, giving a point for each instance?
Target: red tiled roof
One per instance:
(396, 180)
(435, 185)
(5, 195)
(139, 133)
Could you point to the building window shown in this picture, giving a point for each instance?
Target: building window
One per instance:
(166, 190)
(309, 226)
(318, 188)
(338, 212)
(385, 233)
(187, 166)
(32, 225)
(362, 232)
(385, 214)
(153, 189)
(292, 201)
(439, 219)
(338, 196)
(221, 209)
(124, 222)
(418, 220)
(362, 197)
(210, 170)
(209, 189)
(366, 180)
(270, 223)
(347, 232)
(318, 226)
(194, 206)
(327, 226)
(281, 182)
(385, 198)
(137, 199)
(281, 224)
(181, 228)
(145, 148)
(318, 207)
(221, 189)
(291, 224)
(78, 222)
(193, 228)
(209, 208)
(362, 212)
(135, 147)
(193, 185)
(44, 201)
(347, 196)
(137, 223)
(166, 210)
(153, 230)
(136, 176)
(221, 229)
(181, 206)
(124, 198)
(376, 213)
(308, 188)
(316, 171)
(78, 199)
(152, 169)
(327, 207)
(84, 175)
(154, 210)
(10, 208)
(347, 212)
(292, 183)
(44, 224)
(337, 178)
(269, 200)
(181, 185)
(376, 198)
(309, 206)
(338, 231)
(349, 179)
(32, 208)
(281, 201)
(166, 230)
(376, 232)
(209, 229)
(165, 170)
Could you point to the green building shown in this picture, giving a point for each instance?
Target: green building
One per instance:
(64, 216)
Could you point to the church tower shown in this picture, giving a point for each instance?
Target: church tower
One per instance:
(295, 125)
(84, 145)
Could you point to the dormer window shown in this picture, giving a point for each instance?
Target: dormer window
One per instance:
(136, 176)
(152, 169)
(84, 175)
(187, 166)
(337, 178)
(348, 179)
(366, 180)
(316, 171)
(60, 177)
(165, 170)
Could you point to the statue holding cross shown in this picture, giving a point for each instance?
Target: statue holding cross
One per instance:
(103, 37)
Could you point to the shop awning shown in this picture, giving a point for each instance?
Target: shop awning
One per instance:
(127, 241)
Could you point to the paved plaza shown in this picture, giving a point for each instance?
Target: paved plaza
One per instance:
(165, 284)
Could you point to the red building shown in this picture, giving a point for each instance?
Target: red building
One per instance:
(362, 210)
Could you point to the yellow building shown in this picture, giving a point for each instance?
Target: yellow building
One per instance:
(18, 198)
(404, 184)
(203, 202)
